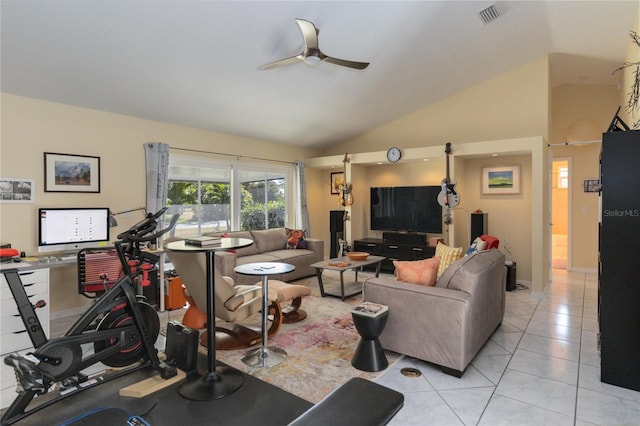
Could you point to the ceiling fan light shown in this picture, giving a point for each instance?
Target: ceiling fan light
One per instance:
(312, 60)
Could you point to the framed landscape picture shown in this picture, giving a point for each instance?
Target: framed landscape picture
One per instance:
(71, 173)
(501, 180)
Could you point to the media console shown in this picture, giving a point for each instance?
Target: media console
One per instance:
(396, 246)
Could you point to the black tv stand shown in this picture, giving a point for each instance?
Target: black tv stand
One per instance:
(396, 246)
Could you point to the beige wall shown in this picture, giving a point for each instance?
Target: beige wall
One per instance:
(633, 56)
(484, 114)
(573, 105)
(510, 216)
(31, 127)
(511, 105)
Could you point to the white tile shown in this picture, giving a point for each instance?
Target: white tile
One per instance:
(590, 324)
(558, 348)
(560, 308)
(555, 331)
(425, 408)
(589, 353)
(603, 409)
(394, 379)
(520, 322)
(492, 348)
(468, 404)
(509, 412)
(534, 390)
(546, 366)
(492, 366)
(571, 321)
(509, 341)
(590, 379)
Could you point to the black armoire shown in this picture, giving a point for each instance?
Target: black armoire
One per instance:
(619, 269)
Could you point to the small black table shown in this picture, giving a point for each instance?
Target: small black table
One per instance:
(264, 356)
(222, 381)
(369, 355)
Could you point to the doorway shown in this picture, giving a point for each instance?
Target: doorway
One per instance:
(560, 184)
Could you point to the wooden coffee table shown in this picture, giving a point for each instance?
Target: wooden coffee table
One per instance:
(342, 264)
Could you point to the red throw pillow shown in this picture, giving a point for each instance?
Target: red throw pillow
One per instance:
(423, 272)
(295, 239)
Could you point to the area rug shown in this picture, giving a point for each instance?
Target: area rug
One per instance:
(319, 348)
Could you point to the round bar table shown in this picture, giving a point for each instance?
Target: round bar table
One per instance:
(221, 381)
(264, 356)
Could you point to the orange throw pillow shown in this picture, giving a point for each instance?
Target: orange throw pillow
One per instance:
(423, 272)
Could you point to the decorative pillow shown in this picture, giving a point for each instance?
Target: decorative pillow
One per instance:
(477, 245)
(447, 256)
(421, 272)
(295, 239)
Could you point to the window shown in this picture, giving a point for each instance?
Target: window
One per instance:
(262, 198)
(215, 196)
(563, 177)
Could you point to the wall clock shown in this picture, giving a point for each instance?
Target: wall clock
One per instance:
(394, 154)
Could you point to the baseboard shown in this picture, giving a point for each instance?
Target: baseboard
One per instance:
(585, 270)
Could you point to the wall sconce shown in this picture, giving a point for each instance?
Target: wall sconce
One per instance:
(112, 216)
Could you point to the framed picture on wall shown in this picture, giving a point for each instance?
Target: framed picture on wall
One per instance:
(501, 180)
(591, 185)
(337, 180)
(71, 173)
(17, 190)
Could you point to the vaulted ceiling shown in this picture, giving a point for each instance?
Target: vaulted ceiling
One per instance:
(198, 63)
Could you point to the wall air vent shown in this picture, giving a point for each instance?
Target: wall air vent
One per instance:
(489, 14)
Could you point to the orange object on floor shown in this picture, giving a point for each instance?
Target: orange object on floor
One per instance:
(174, 299)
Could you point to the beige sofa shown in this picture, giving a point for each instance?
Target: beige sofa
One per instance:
(269, 245)
(449, 323)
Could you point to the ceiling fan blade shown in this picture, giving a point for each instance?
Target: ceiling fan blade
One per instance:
(309, 33)
(311, 53)
(283, 62)
(345, 63)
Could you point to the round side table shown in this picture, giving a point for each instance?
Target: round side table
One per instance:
(216, 382)
(369, 355)
(264, 356)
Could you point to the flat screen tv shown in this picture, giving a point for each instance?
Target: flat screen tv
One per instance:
(406, 208)
(70, 229)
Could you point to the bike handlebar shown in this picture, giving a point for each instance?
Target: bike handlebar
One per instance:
(143, 230)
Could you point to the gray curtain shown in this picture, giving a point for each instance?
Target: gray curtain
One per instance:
(157, 166)
(302, 212)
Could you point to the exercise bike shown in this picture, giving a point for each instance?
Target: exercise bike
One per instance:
(120, 325)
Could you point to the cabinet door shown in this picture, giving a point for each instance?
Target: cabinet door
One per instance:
(619, 289)
(368, 247)
(13, 332)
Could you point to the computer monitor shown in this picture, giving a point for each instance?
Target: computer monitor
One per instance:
(71, 229)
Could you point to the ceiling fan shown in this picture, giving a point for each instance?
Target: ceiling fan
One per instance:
(311, 53)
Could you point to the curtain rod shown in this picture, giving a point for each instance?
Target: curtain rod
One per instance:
(574, 143)
(232, 155)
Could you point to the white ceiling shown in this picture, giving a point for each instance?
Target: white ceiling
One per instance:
(197, 63)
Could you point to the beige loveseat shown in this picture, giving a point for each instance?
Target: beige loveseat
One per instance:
(269, 245)
(449, 323)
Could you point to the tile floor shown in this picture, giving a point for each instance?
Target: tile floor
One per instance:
(540, 367)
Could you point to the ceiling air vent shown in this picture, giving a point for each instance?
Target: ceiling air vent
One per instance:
(489, 14)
